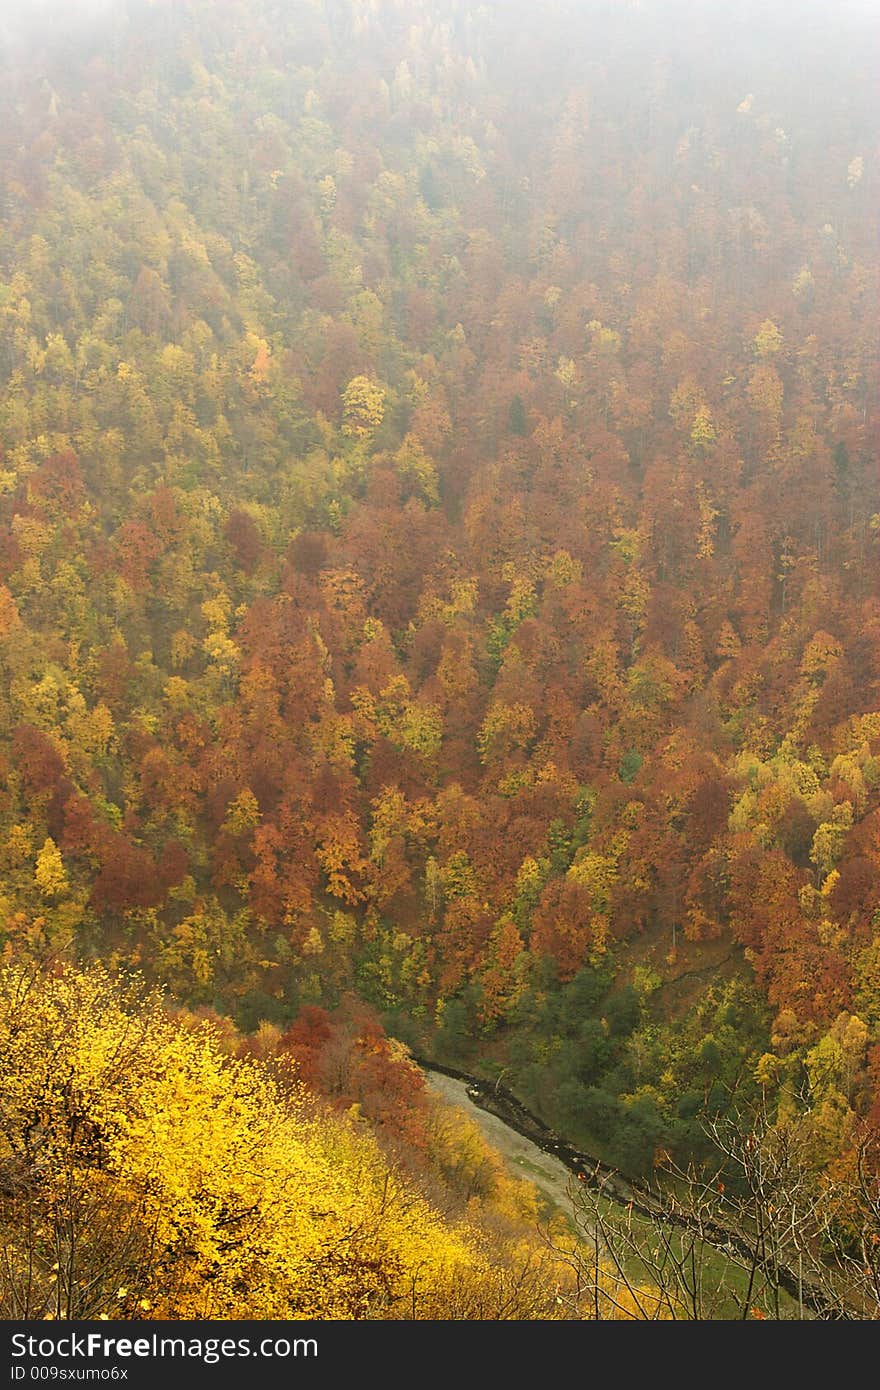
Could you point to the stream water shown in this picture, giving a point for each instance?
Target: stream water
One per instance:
(523, 1157)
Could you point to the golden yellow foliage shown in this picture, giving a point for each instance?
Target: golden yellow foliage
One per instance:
(702, 430)
(767, 340)
(242, 813)
(146, 1172)
(363, 407)
(127, 1135)
(49, 873)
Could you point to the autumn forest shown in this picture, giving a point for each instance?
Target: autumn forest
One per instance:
(439, 619)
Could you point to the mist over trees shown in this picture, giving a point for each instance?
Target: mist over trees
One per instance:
(438, 553)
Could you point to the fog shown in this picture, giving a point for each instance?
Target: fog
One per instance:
(438, 497)
(725, 35)
(28, 21)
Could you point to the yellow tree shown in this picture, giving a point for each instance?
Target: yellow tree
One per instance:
(50, 875)
(363, 407)
(146, 1172)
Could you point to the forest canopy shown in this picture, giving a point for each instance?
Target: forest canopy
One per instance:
(438, 537)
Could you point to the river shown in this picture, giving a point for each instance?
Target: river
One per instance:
(523, 1158)
(507, 1125)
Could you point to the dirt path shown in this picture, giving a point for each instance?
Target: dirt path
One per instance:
(523, 1158)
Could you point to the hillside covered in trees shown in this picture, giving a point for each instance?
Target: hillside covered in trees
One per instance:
(179, 1172)
(439, 531)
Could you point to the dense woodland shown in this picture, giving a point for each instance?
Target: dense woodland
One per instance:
(438, 551)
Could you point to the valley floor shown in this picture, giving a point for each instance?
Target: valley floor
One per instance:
(524, 1159)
